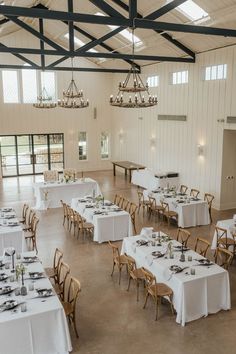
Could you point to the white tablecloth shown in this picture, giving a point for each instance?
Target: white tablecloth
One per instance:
(146, 179)
(113, 226)
(195, 296)
(189, 214)
(10, 236)
(65, 191)
(224, 224)
(42, 329)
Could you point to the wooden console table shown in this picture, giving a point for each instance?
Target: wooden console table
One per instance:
(127, 166)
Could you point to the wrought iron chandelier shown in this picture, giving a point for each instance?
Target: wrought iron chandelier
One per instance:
(44, 100)
(73, 97)
(133, 85)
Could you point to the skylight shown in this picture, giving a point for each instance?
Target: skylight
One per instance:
(80, 43)
(191, 10)
(125, 33)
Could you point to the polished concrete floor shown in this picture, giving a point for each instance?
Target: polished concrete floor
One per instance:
(110, 321)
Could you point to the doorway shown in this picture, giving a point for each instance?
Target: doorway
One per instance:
(30, 154)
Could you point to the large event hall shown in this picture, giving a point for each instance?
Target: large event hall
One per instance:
(117, 176)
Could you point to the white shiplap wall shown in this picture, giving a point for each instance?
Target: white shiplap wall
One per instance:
(176, 142)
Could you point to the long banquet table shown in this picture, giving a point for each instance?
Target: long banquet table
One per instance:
(48, 195)
(195, 296)
(191, 212)
(42, 328)
(228, 225)
(112, 224)
(11, 234)
(148, 180)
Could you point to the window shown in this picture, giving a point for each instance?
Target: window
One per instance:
(180, 77)
(153, 81)
(216, 72)
(29, 86)
(82, 146)
(48, 81)
(80, 43)
(10, 86)
(125, 33)
(192, 11)
(104, 145)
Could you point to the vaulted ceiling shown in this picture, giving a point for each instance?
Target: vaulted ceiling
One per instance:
(166, 33)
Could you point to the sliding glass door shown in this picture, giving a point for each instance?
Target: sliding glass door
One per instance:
(31, 154)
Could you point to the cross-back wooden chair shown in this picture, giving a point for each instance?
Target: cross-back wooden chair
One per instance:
(154, 208)
(201, 246)
(60, 284)
(116, 199)
(118, 259)
(125, 204)
(29, 220)
(24, 213)
(223, 257)
(157, 291)
(194, 193)
(31, 236)
(120, 201)
(223, 241)
(53, 272)
(135, 274)
(132, 211)
(183, 189)
(69, 305)
(167, 213)
(209, 199)
(84, 226)
(50, 176)
(183, 236)
(142, 203)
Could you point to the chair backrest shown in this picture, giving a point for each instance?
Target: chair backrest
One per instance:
(73, 292)
(183, 236)
(209, 199)
(165, 206)
(58, 255)
(152, 202)
(221, 234)
(223, 257)
(64, 208)
(116, 199)
(140, 197)
(120, 202)
(201, 246)
(150, 279)
(133, 209)
(24, 211)
(194, 193)
(64, 271)
(131, 265)
(50, 176)
(115, 251)
(125, 202)
(30, 217)
(70, 172)
(183, 189)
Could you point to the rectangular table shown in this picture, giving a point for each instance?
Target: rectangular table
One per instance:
(192, 213)
(127, 166)
(11, 235)
(229, 225)
(66, 191)
(111, 225)
(41, 329)
(194, 296)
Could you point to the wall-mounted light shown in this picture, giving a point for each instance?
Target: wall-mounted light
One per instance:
(200, 150)
(153, 142)
(121, 136)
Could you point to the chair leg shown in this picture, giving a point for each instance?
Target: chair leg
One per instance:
(137, 286)
(129, 283)
(171, 305)
(157, 308)
(75, 328)
(119, 274)
(146, 298)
